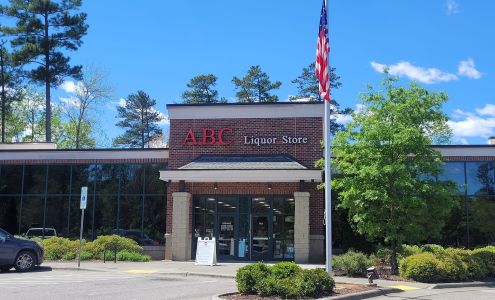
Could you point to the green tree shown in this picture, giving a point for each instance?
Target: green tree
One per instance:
(388, 169)
(201, 90)
(140, 119)
(44, 28)
(79, 109)
(9, 82)
(308, 90)
(308, 85)
(255, 87)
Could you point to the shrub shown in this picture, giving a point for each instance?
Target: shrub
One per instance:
(352, 263)
(69, 256)
(423, 267)
(408, 250)
(248, 276)
(111, 243)
(85, 255)
(285, 269)
(432, 248)
(382, 256)
(475, 267)
(57, 247)
(132, 256)
(454, 268)
(487, 256)
(311, 283)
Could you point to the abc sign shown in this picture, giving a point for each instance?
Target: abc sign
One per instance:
(209, 136)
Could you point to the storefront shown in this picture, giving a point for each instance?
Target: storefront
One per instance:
(245, 174)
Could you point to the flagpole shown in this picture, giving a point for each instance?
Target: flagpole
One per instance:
(328, 187)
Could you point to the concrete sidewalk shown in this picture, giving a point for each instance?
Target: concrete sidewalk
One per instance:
(223, 269)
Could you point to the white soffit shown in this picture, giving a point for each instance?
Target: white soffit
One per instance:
(241, 175)
(83, 155)
(271, 111)
(467, 151)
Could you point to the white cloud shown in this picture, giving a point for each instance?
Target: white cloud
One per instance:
(70, 101)
(70, 86)
(165, 119)
(452, 7)
(122, 102)
(424, 75)
(489, 110)
(473, 125)
(467, 68)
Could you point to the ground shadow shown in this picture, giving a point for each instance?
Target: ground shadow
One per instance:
(35, 270)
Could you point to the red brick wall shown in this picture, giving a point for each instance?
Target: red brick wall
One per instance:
(307, 154)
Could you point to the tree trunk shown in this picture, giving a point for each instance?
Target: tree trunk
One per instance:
(48, 129)
(2, 63)
(393, 259)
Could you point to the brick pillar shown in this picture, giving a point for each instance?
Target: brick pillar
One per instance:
(301, 227)
(181, 237)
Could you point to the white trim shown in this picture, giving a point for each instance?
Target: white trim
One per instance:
(289, 110)
(82, 155)
(241, 175)
(28, 146)
(466, 151)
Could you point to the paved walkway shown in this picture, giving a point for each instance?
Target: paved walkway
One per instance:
(223, 269)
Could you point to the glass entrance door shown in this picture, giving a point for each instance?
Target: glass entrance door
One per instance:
(226, 236)
(261, 238)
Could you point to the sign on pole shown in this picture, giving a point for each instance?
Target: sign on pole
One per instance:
(206, 252)
(84, 197)
(84, 202)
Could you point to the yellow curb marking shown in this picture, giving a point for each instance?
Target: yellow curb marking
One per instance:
(141, 271)
(405, 287)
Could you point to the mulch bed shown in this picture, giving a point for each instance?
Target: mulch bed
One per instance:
(340, 289)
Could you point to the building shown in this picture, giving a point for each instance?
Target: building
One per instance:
(242, 173)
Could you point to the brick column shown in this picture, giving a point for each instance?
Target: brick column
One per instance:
(181, 237)
(301, 227)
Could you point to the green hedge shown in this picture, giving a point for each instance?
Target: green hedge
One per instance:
(449, 265)
(352, 263)
(58, 248)
(286, 280)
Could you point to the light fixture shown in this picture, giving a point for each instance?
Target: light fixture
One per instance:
(215, 186)
(269, 186)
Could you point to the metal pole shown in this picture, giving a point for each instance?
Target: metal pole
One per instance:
(80, 239)
(328, 187)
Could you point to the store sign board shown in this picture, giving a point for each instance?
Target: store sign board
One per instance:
(84, 197)
(206, 252)
(210, 136)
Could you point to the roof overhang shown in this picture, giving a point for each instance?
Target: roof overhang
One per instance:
(241, 175)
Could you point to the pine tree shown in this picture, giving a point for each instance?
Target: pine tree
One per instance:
(9, 83)
(140, 119)
(43, 29)
(308, 85)
(255, 86)
(201, 90)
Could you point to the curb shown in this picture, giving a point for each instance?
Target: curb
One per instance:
(355, 296)
(453, 285)
(157, 273)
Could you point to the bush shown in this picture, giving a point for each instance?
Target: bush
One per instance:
(382, 256)
(408, 250)
(132, 256)
(286, 280)
(69, 256)
(57, 248)
(285, 269)
(311, 283)
(454, 268)
(423, 267)
(248, 276)
(352, 263)
(432, 248)
(487, 256)
(85, 255)
(111, 243)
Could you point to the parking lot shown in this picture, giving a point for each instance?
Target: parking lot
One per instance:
(46, 283)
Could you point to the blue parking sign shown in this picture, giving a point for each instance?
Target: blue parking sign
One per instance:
(84, 197)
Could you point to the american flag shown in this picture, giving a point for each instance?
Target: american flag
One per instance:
(322, 51)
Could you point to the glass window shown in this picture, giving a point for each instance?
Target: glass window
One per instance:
(105, 214)
(32, 212)
(9, 213)
(108, 179)
(153, 183)
(154, 218)
(199, 204)
(482, 221)
(34, 179)
(80, 175)
(227, 205)
(10, 179)
(56, 214)
(130, 212)
(480, 178)
(454, 171)
(261, 205)
(58, 179)
(132, 179)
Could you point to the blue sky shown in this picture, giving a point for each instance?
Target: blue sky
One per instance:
(157, 46)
